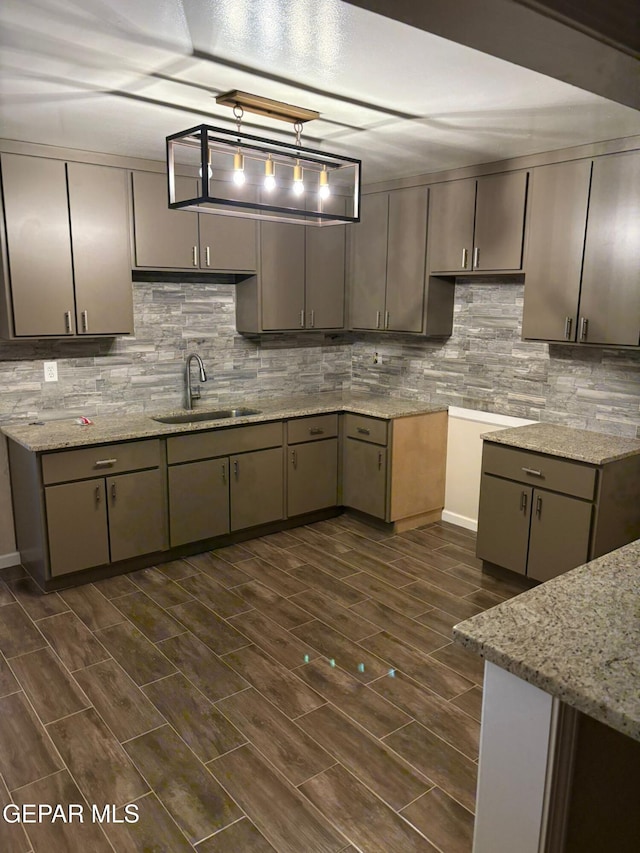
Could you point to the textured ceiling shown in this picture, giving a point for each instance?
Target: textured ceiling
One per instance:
(117, 76)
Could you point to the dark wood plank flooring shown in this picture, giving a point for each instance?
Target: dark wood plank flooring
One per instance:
(296, 693)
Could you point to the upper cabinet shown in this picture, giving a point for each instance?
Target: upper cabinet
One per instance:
(582, 280)
(66, 261)
(388, 283)
(477, 225)
(167, 239)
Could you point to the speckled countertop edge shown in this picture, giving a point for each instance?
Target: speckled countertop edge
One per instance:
(582, 445)
(61, 434)
(576, 637)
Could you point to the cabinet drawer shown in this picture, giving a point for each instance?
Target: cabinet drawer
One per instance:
(312, 429)
(560, 475)
(223, 442)
(366, 429)
(68, 465)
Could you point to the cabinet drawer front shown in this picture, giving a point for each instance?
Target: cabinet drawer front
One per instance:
(223, 442)
(365, 428)
(560, 475)
(104, 459)
(312, 429)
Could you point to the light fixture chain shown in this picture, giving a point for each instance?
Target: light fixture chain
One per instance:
(298, 129)
(238, 112)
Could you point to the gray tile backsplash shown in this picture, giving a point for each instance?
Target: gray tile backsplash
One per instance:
(484, 365)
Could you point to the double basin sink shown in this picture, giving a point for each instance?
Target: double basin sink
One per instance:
(216, 415)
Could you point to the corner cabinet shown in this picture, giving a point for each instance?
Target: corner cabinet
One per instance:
(477, 224)
(389, 288)
(582, 282)
(542, 515)
(66, 225)
(165, 239)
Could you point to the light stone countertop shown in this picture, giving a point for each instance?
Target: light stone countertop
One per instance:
(583, 445)
(60, 434)
(576, 637)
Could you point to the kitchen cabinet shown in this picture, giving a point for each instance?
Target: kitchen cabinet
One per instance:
(582, 281)
(66, 224)
(388, 284)
(541, 515)
(198, 500)
(312, 466)
(301, 281)
(257, 488)
(394, 470)
(477, 224)
(166, 239)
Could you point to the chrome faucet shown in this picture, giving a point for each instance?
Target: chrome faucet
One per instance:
(193, 393)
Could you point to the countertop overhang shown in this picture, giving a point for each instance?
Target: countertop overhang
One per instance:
(106, 429)
(582, 445)
(577, 637)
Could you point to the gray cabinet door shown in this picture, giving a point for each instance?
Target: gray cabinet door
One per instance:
(98, 208)
(312, 476)
(559, 195)
(404, 307)
(499, 228)
(39, 245)
(368, 263)
(198, 500)
(227, 243)
(257, 487)
(77, 526)
(163, 238)
(451, 217)
(560, 528)
(610, 296)
(503, 523)
(137, 517)
(324, 277)
(282, 275)
(364, 477)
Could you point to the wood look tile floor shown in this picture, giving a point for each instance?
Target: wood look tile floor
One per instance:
(243, 698)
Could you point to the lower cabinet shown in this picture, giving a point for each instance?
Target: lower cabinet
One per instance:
(364, 484)
(312, 476)
(257, 488)
(198, 500)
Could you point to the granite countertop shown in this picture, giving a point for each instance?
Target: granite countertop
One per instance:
(583, 445)
(577, 637)
(60, 434)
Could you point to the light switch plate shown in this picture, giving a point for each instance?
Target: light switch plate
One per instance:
(50, 371)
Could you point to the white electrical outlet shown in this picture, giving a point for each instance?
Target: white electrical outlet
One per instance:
(50, 371)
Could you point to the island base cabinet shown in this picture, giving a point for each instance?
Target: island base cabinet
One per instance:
(559, 539)
(503, 523)
(312, 476)
(198, 500)
(77, 526)
(136, 510)
(257, 488)
(364, 483)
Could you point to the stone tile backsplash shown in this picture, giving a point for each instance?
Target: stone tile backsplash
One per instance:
(484, 365)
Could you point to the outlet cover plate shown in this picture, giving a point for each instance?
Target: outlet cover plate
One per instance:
(50, 371)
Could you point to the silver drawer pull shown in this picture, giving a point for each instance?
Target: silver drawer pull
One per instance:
(97, 494)
(533, 472)
(465, 254)
(379, 460)
(85, 321)
(67, 322)
(207, 254)
(194, 254)
(584, 329)
(105, 463)
(377, 319)
(294, 460)
(316, 431)
(476, 258)
(523, 501)
(568, 322)
(363, 431)
(539, 507)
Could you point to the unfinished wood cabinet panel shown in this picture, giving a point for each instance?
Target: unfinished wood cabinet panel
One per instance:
(418, 464)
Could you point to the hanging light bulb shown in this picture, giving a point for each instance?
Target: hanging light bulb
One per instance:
(298, 183)
(269, 174)
(323, 190)
(238, 168)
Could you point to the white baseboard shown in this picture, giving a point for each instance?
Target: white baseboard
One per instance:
(460, 520)
(7, 560)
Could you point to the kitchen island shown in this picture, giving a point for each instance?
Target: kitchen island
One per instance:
(560, 744)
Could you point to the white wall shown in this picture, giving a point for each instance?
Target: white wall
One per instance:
(464, 458)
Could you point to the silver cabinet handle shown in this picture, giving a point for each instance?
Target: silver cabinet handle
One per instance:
(539, 507)
(584, 329)
(533, 472)
(105, 463)
(207, 256)
(312, 318)
(294, 460)
(465, 258)
(386, 319)
(67, 322)
(316, 431)
(476, 258)
(113, 491)
(363, 431)
(97, 494)
(523, 501)
(377, 319)
(302, 319)
(379, 460)
(85, 321)
(224, 472)
(236, 468)
(195, 256)
(568, 322)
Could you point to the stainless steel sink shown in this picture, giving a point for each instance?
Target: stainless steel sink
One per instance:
(217, 415)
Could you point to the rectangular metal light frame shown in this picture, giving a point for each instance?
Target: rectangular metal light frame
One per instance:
(203, 137)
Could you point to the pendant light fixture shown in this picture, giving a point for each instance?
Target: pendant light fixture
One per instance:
(237, 171)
